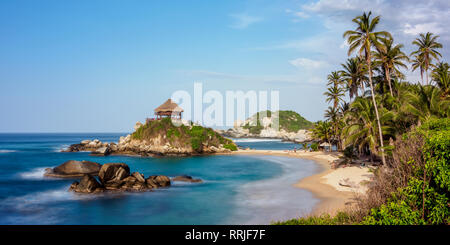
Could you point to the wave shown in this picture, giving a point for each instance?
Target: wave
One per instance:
(34, 174)
(60, 148)
(7, 151)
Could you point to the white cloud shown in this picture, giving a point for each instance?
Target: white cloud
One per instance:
(306, 63)
(422, 28)
(242, 21)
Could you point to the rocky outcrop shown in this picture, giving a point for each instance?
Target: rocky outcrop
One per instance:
(161, 139)
(289, 129)
(116, 177)
(73, 168)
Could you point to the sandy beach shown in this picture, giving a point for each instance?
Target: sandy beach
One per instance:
(335, 188)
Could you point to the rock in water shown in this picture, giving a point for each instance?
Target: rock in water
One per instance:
(114, 172)
(156, 181)
(186, 178)
(88, 184)
(74, 169)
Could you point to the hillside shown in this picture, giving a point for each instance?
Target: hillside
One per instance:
(292, 126)
(198, 138)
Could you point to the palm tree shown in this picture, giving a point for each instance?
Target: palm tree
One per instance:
(417, 62)
(364, 38)
(441, 76)
(333, 115)
(427, 49)
(334, 94)
(390, 57)
(322, 130)
(353, 75)
(425, 103)
(360, 129)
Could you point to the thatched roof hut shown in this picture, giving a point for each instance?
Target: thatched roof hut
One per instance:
(169, 109)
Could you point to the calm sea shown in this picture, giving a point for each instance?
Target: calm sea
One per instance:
(236, 189)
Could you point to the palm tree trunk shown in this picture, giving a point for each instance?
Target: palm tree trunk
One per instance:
(376, 110)
(388, 78)
(426, 75)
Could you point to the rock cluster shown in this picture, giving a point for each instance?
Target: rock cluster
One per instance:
(117, 177)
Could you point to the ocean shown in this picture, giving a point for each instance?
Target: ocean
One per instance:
(236, 189)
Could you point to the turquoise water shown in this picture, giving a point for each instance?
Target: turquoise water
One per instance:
(236, 189)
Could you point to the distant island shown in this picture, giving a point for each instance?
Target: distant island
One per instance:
(292, 127)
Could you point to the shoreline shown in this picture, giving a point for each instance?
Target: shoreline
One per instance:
(331, 198)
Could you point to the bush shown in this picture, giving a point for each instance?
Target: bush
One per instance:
(230, 146)
(314, 146)
(424, 199)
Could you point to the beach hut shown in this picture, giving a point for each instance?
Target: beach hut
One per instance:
(168, 109)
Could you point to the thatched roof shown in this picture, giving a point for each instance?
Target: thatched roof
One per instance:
(169, 106)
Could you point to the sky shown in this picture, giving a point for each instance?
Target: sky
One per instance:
(103, 65)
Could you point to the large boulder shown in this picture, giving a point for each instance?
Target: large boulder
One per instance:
(186, 178)
(88, 184)
(113, 172)
(73, 168)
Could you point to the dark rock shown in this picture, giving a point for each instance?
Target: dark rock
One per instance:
(73, 168)
(186, 178)
(88, 184)
(139, 177)
(113, 172)
(156, 181)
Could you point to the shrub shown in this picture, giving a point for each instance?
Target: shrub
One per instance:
(314, 146)
(230, 146)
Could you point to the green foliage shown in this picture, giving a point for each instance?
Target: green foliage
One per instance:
(341, 218)
(195, 136)
(230, 146)
(425, 199)
(314, 146)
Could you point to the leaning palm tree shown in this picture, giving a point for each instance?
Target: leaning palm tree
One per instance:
(364, 37)
(353, 74)
(427, 49)
(390, 57)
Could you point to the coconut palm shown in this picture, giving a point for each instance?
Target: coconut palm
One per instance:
(334, 94)
(390, 58)
(333, 115)
(418, 63)
(425, 102)
(441, 77)
(361, 130)
(322, 130)
(354, 75)
(427, 50)
(363, 38)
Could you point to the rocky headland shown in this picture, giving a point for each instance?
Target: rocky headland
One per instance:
(292, 127)
(161, 138)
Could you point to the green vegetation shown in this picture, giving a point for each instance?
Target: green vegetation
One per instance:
(404, 125)
(195, 136)
(290, 121)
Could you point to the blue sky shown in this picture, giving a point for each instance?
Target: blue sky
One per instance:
(102, 65)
